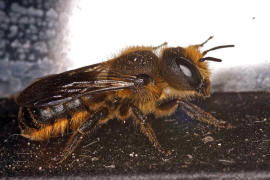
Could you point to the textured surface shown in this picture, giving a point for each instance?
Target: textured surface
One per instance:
(115, 149)
(32, 41)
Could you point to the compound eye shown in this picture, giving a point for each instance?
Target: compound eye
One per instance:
(185, 70)
(188, 71)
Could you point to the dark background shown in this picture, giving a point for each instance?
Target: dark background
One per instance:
(120, 150)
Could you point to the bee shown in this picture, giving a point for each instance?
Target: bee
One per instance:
(139, 82)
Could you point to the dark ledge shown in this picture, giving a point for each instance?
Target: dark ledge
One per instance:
(121, 151)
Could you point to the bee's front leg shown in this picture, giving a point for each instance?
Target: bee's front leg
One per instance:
(197, 113)
(147, 130)
(192, 111)
(87, 127)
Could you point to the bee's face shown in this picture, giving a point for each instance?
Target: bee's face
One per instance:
(182, 72)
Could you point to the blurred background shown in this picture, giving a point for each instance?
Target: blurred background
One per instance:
(39, 37)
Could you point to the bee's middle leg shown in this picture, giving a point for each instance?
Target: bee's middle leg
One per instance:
(87, 127)
(147, 130)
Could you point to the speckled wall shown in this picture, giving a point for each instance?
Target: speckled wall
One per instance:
(32, 41)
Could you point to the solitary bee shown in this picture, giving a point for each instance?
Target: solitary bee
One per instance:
(139, 82)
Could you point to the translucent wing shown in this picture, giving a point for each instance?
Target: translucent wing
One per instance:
(60, 88)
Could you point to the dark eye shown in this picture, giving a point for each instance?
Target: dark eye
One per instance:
(188, 71)
(179, 71)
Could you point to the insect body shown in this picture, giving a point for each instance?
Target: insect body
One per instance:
(133, 85)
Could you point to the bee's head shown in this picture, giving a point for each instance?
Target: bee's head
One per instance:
(185, 68)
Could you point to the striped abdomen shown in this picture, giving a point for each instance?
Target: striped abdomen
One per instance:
(45, 122)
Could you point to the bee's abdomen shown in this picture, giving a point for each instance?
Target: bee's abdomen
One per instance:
(45, 122)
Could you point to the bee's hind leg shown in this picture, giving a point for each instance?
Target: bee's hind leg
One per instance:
(87, 127)
(147, 130)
